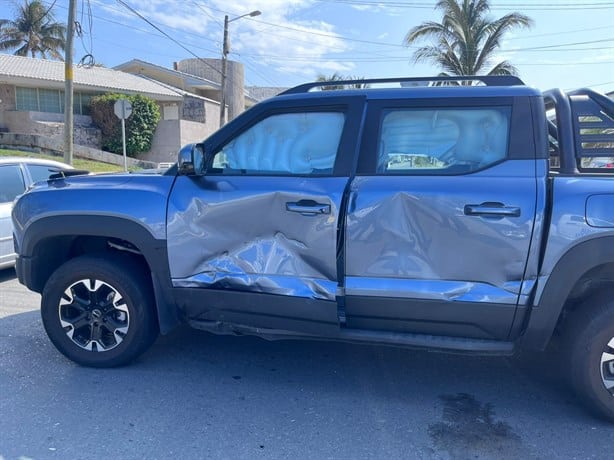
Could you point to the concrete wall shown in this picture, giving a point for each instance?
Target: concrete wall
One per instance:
(172, 134)
(166, 142)
(43, 144)
(211, 69)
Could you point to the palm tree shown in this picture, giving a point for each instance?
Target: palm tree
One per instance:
(33, 32)
(465, 41)
(334, 77)
(338, 77)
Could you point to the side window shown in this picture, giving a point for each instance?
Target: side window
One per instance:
(289, 143)
(11, 183)
(442, 141)
(41, 172)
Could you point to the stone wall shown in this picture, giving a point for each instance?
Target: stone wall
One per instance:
(193, 109)
(7, 102)
(52, 125)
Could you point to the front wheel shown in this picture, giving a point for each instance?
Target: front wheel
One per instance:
(99, 311)
(590, 337)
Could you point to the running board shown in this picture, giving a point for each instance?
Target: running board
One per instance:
(372, 337)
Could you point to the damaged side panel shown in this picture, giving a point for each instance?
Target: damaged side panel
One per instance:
(273, 235)
(412, 248)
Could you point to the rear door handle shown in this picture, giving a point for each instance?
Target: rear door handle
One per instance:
(308, 207)
(492, 209)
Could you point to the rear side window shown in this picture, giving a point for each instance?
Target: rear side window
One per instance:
(285, 144)
(442, 141)
(11, 183)
(41, 172)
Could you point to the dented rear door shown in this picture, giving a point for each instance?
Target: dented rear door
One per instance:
(441, 217)
(263, 221)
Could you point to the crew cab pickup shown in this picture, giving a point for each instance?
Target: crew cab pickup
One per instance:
(433, 214)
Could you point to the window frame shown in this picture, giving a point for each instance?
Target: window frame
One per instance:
(78, 105)
(520, 137)
(352, 107)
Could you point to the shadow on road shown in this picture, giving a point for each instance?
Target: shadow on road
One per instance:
(7, 274)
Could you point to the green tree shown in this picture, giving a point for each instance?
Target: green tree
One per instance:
(466, 39)
(140, 125)
(33, 32)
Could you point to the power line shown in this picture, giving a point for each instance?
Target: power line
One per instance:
(495, 6)
(177, 42)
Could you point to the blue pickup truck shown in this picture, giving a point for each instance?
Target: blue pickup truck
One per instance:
(441, 215)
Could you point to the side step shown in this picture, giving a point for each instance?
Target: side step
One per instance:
(373, 337)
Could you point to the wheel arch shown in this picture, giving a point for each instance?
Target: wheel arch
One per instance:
(50, 241)
(583, 270)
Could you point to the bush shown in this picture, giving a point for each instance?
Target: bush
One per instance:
(140, 126)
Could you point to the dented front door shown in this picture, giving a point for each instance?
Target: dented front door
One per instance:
(264, 218)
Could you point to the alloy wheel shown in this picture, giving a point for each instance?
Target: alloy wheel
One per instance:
(94, 315)
(607, 366)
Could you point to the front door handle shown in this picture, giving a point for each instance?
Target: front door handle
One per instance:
(308, 207)
(492, 209)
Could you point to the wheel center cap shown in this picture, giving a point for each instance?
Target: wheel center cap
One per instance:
(96, 314)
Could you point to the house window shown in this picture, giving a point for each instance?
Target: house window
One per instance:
(27, 99)
(51, 100)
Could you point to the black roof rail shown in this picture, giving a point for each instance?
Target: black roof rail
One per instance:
(488, 80)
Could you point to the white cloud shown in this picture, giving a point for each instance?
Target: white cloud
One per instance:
(275, 38)
(378, 8)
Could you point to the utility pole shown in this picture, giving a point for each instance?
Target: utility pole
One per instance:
(68, 87)
(223, 83)
(225, 51)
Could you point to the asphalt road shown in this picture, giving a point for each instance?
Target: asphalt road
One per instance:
(196, 395)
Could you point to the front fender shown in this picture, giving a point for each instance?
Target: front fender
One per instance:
(48, 239)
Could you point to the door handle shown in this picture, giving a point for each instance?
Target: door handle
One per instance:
(308, 207)
(492, 209)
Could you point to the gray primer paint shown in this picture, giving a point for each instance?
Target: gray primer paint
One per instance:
(234, 232)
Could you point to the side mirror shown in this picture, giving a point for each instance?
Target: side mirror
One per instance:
(191, 160)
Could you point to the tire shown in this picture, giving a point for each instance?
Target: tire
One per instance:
(99, 311)
(590, 348)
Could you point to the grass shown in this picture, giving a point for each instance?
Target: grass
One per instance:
(79, 163)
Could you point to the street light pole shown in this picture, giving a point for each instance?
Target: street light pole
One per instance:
(225, 51)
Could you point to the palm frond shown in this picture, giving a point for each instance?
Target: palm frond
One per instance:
(503, 68)
(466, 38)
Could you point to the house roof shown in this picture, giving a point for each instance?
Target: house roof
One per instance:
(41, 72)
(138, 65)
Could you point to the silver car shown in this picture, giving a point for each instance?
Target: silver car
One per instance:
(16, 175)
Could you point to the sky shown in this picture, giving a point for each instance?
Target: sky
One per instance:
(570, 45)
